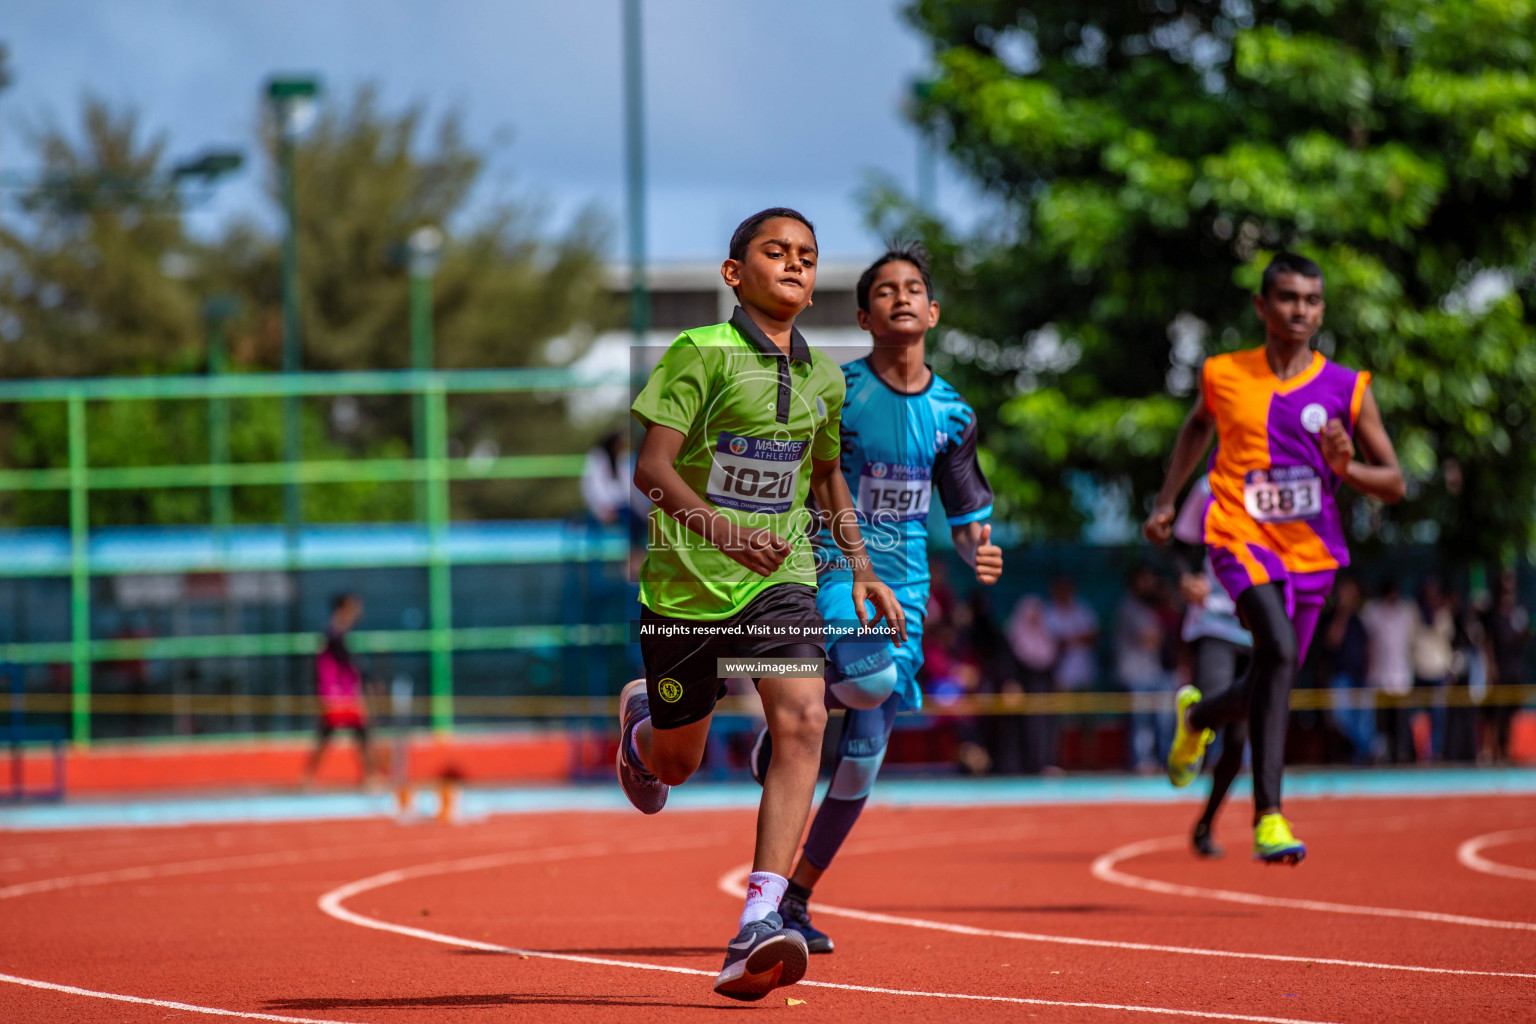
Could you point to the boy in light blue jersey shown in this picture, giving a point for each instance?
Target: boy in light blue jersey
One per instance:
(905, 431)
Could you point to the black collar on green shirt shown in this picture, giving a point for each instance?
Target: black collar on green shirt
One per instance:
(798, 349)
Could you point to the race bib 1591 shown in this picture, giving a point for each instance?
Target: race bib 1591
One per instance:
(1282, 493)
(754, 474)
(894, 492)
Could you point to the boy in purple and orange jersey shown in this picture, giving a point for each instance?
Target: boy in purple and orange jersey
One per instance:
(1286, 421)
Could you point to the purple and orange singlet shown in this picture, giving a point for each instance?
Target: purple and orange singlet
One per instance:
(1272, 514)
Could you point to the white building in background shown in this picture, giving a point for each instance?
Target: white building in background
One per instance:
(685, 295)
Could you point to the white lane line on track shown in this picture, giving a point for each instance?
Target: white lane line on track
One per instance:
(1106, 870)
(1470, 854)
(165, 1003)
(331, 903)
(733, 883)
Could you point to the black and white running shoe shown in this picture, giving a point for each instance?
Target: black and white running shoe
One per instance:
(764, 956)
(645, 790)
(797, 915)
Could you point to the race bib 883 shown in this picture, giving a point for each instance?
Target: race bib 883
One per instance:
(754, 474)
(1282, 493)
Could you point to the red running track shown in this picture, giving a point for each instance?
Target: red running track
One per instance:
(996, 914)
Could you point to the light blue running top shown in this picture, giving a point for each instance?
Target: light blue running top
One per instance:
(897, 447)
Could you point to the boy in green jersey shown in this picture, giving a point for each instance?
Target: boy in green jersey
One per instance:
(741, 423)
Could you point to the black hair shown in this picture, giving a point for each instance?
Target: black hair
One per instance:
(337, 600)
(742, 237)
(1287, 263)
(914, 253)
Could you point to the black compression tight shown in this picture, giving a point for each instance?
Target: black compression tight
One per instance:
(1264, 694)
(1216, 668)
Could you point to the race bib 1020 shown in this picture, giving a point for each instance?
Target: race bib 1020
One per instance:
(754, 474)
(894, 492)
(1282, 493)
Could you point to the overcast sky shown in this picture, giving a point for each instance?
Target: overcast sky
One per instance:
(796, 102)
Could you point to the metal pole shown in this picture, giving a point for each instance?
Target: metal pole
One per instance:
(79, 575)
(927, 175)
(634, 166)
(439, 590)
(217, 311)
(421, 359)
(422, 249)
(293, 510)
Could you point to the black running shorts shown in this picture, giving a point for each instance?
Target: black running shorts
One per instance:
(680, 676)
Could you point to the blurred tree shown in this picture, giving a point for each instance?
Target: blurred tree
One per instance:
(366, 178)
(1146, 158)
(98, 277)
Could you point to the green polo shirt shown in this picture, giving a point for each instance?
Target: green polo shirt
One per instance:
(752, 420)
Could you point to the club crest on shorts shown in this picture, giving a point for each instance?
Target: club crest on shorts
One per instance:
(738, 445)
(670, 690)
(1314, 417)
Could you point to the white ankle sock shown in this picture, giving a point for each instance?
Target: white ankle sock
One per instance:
(764, 890)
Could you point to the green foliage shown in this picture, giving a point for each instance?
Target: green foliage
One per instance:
(99, 277)
(1146, 159)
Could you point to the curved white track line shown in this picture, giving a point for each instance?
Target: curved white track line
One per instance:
(331, 903)
(1470, 855)
(733, 882)
(1104, 869)
(166, 1003)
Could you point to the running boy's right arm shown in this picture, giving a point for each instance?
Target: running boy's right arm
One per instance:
(1193, 442)
(760, 550)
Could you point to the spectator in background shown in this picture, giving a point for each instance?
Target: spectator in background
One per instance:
(1506, 627)
(1139, 636)
(1432, 651)
(1035, 650)
(1467, 669)
(1075, 628)
(1002, 734)
(339, 685)
(1389, 623)
(950, 673)
(608, 489)
(1345, 645)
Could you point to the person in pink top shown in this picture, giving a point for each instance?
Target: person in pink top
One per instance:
(339, 685)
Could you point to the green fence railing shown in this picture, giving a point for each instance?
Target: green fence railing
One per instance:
(431, 468)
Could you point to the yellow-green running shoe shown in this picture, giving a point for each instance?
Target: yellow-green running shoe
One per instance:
(1188, 744)
(1274, 844)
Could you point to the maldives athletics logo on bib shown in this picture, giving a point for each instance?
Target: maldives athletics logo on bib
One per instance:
(738, 446)
(878, 470)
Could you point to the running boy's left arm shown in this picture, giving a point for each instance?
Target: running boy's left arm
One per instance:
(1379, 476)
(967, 498)
(973, 542)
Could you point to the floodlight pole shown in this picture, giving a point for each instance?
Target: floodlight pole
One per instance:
(217, 312)
(423, 253)
(634, 165)
(927, 151)
(293, 510)
(290, 98)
